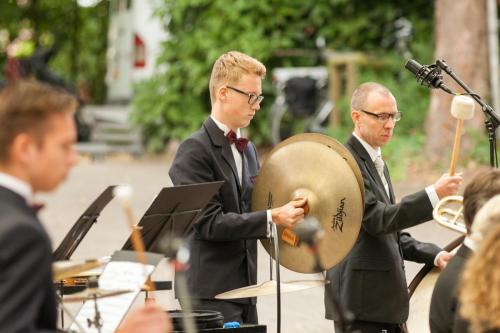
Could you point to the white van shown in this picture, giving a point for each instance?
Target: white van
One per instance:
(134, 43)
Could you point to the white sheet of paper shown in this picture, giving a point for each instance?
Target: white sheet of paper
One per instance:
(121, 275)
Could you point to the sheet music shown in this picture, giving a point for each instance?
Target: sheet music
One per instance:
(122, 275)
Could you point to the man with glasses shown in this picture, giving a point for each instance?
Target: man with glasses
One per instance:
(370, 282)
(223, 239)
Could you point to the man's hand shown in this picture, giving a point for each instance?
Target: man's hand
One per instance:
(448, 185)
(147, 319)
(443, 259)
(289, 214)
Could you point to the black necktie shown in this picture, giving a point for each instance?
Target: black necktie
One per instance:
(240, 143)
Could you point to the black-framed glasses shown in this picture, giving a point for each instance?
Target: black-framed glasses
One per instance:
(383, 117)
(252, 98)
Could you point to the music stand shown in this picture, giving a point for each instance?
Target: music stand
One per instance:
(73, 238)
(173, 212)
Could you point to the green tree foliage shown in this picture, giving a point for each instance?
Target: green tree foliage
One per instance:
(175, 101)
(79, 33)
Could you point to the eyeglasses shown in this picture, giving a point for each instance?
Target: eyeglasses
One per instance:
(384, 117)
(252, 98)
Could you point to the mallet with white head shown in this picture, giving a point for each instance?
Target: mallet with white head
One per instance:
(462, 108)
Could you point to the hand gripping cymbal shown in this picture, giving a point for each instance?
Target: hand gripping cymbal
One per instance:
(323, 170)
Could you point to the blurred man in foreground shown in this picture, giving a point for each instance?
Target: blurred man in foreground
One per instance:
(37, 137)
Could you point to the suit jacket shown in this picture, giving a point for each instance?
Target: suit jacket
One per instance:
(27, 298)
(223, 240)
(444, 316)
(370, 281)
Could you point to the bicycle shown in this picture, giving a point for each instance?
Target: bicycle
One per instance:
(302, 103)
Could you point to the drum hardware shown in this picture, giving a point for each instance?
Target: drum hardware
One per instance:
(64, 309)
(449, 213)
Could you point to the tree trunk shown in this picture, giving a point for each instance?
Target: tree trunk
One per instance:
(461, 40)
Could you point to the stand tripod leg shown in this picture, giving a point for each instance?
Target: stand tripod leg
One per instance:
(64, 309)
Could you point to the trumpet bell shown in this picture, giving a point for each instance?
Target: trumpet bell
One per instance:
(449, 213)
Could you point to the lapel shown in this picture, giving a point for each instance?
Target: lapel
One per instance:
(391, 190)
(219, 141)
(370, 167)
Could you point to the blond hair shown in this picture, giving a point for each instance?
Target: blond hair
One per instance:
(230, 67)
(479, 294)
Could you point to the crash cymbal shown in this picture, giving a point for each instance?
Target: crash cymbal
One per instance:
(269, 288)
(323, 170)
(68, 268)
(89, 293)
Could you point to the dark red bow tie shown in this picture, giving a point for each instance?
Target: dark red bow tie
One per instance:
(37, 207)
(240, 143)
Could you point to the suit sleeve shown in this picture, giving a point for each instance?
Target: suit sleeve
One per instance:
(23, 272)
(414, 250)
(193, 164)
(381, 218)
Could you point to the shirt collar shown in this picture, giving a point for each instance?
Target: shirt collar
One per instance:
(373, 152)
(470, 243)
(17, 185)
(223, 127)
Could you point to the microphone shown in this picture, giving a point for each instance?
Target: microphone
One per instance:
(309, 230)
(429, 76)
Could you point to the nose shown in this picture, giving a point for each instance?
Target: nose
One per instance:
(256, 106)
(390, 123)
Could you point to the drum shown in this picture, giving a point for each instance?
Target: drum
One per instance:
(420, 290)
(203, 319)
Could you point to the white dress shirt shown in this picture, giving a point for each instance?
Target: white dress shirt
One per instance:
(239, 161)
(17, 185)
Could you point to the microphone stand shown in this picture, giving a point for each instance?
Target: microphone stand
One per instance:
(309, 232)
(492, 121)
(175, 249)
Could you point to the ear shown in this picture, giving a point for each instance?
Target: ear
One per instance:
(222, 93)
(355, 115)
(23, 148)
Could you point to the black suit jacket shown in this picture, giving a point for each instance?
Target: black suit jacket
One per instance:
(370, 281)
(223, 240)
(444, 316)
(27, 299)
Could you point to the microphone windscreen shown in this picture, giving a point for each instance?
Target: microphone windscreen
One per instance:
(413, 66)
(462, 107)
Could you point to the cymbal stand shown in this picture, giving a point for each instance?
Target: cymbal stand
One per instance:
(310, 232)
(275, 244)
(97, 322)
(60, 288)
(64, 309)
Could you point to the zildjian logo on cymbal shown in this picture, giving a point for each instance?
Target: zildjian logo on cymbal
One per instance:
(338, 218)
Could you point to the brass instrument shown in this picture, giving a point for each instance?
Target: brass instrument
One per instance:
(449, 213)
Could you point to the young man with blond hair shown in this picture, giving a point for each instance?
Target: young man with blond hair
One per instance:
(223, 239)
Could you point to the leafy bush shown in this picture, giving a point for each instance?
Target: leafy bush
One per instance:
(176, 100)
